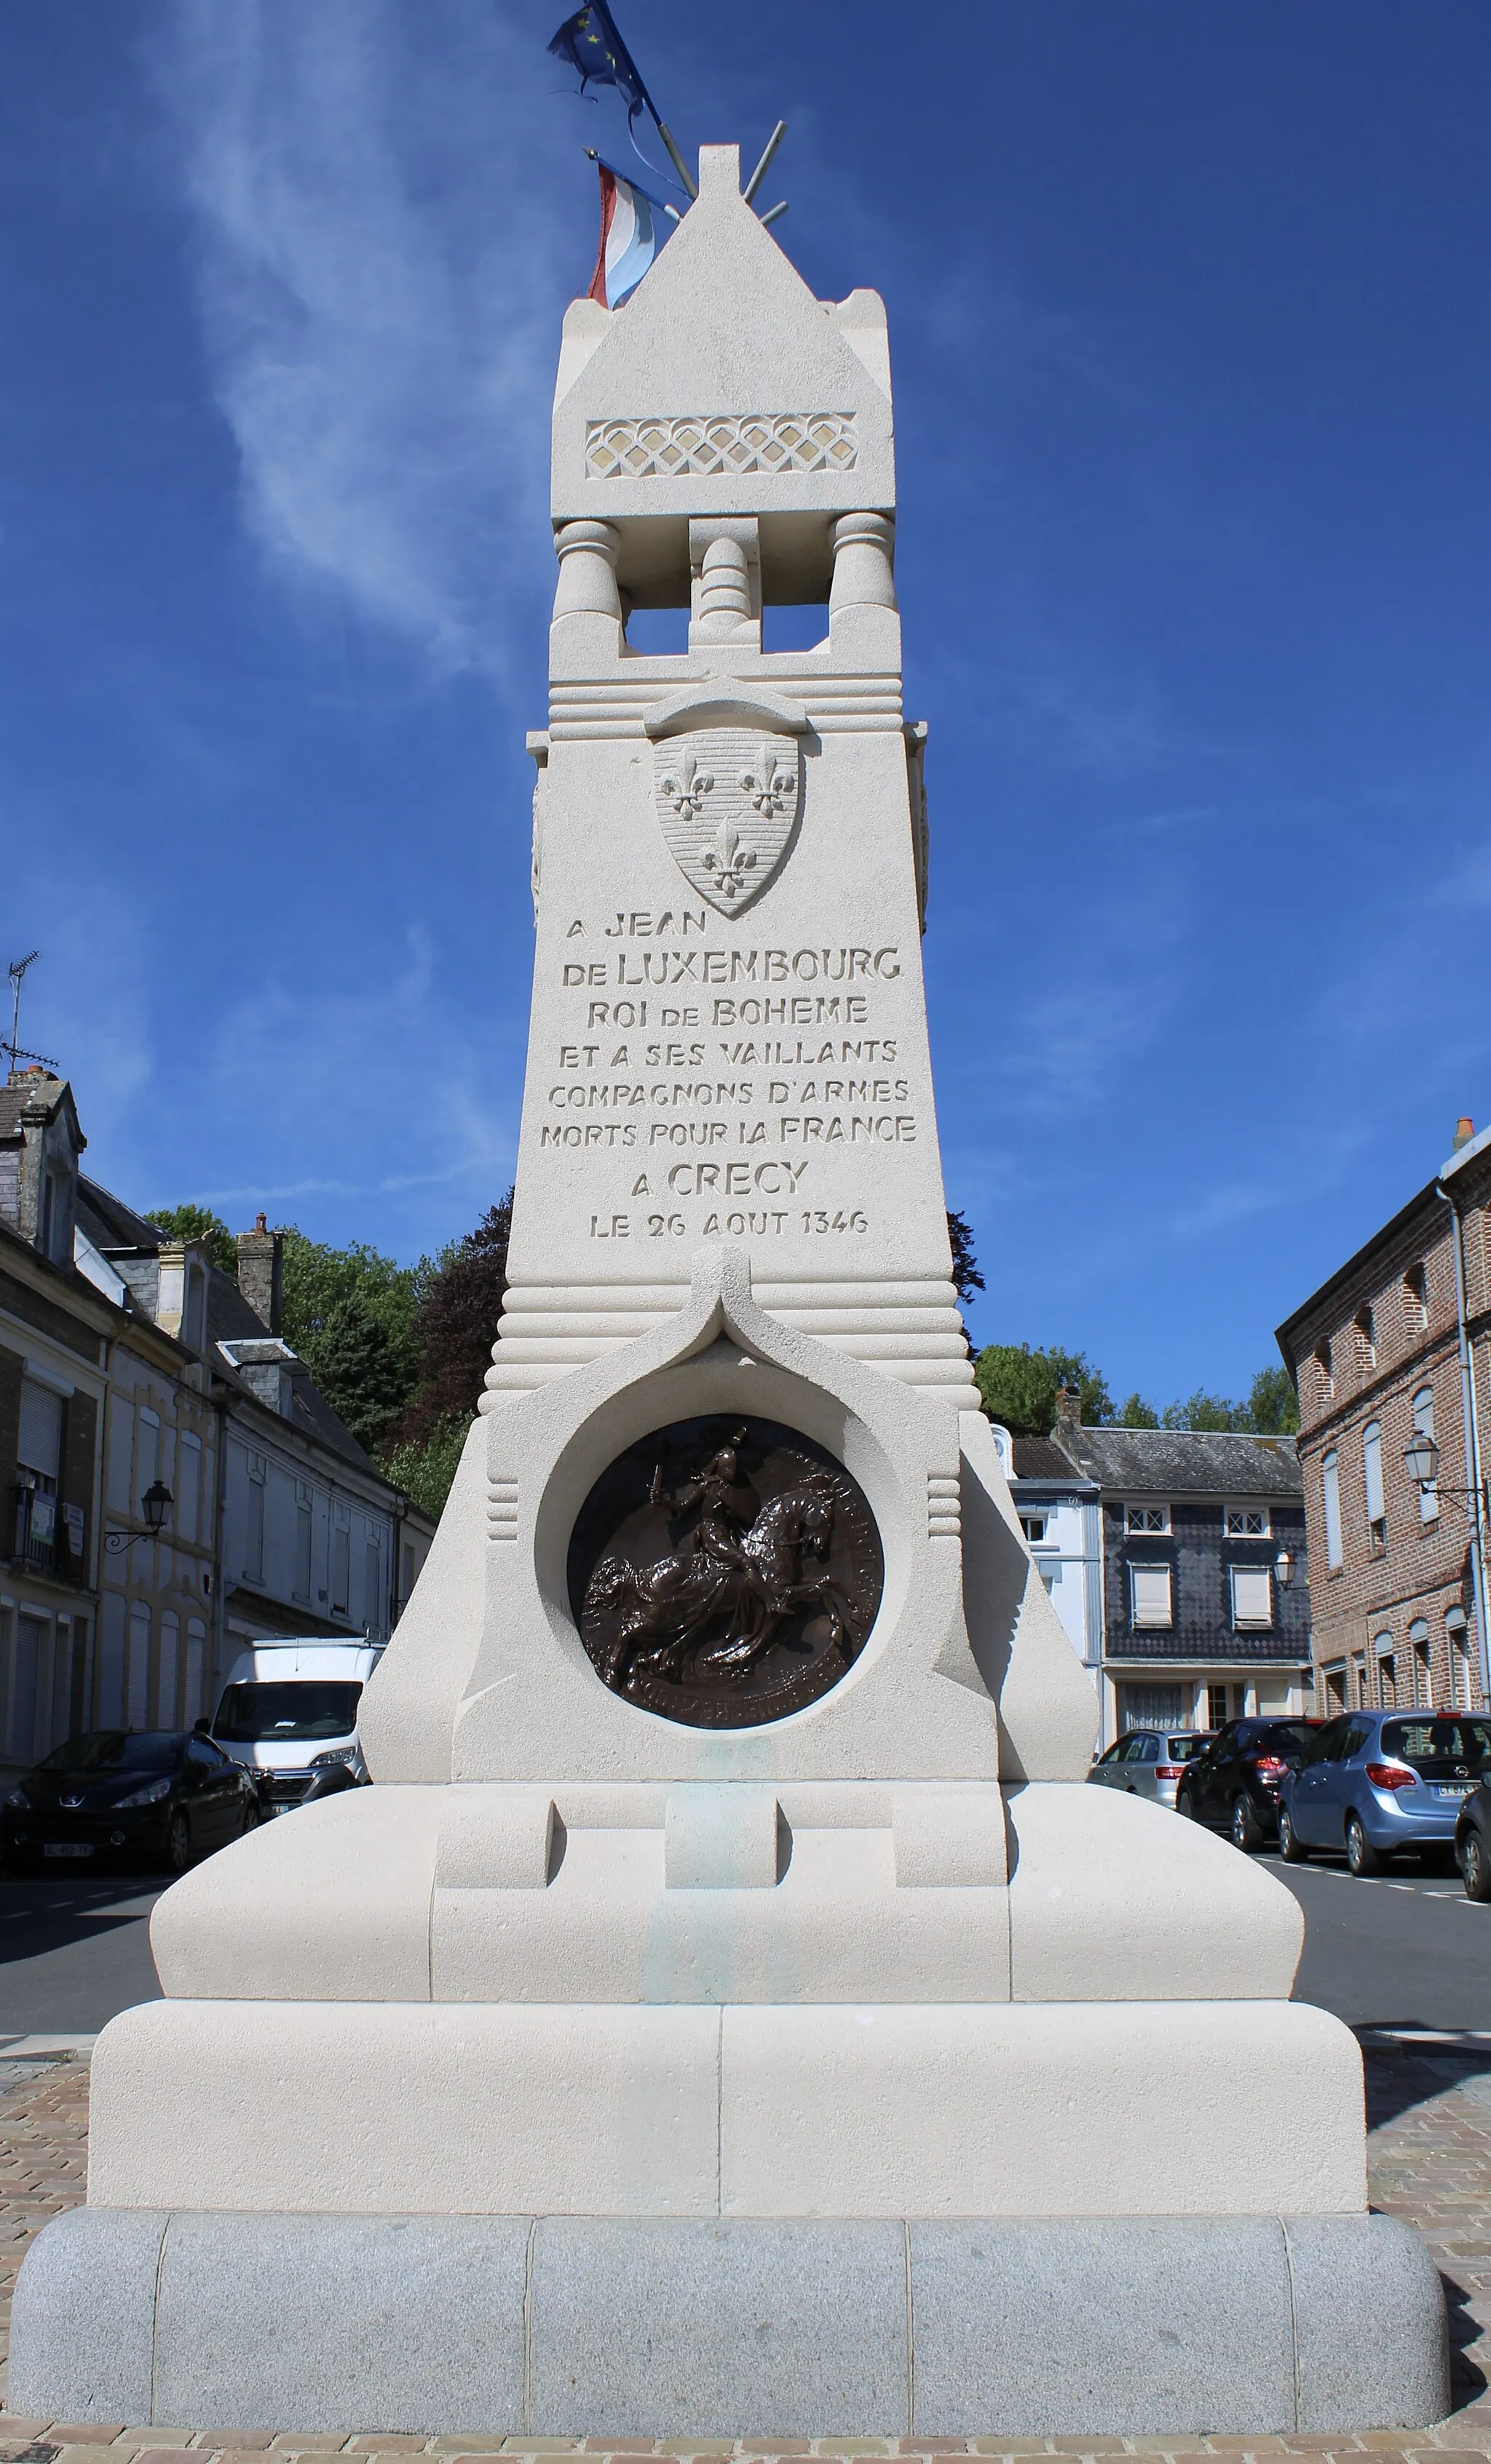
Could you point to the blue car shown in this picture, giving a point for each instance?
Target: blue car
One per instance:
(1374, 1783)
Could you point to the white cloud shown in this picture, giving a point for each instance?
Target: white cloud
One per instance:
(384, 230)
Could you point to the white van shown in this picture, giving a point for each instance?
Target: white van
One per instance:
(288, 1714)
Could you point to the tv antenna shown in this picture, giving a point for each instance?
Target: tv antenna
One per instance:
(15, 1049)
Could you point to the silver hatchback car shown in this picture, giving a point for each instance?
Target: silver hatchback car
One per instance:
(1148, 1762)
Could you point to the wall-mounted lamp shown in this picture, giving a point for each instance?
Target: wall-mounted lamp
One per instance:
(155, 1505)
(1283, 1569)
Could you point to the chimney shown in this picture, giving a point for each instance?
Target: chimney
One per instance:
(1464, 1132)
(1068, 1412)
(261, 1273)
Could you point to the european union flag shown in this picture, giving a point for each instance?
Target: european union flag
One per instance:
(590, 42)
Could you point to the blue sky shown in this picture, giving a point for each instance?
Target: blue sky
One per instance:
(1188, 316)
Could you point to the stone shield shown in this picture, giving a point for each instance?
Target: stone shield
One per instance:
(728, 801)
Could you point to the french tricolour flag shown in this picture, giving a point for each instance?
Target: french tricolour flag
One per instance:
(633, 227)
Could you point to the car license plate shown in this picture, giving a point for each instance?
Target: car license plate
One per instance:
(68, 1848)
(1456, 1788)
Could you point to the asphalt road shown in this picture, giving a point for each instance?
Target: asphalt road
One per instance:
(1407, 1951)
(72, 1952)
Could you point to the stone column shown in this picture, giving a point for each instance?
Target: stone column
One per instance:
(862, 602)
(588, 605)
(724, 559)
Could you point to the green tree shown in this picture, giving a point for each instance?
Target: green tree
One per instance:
(966, 1277)
(457, 1324)
(425, 1468)
(191, 1222)
(1135, 1412)
(1273, 1407)
(1019, 1387)
(317, 1276)
(1202, 1410)
(358, 1371)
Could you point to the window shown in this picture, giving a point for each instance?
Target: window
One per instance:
(38, 1456)
(137, 1689)
(1252, 1596)
(1423, 1427)
(1359, 1682)
(1371, 1475)
(1245, 1522)
(253, 1521)
(1149, 1596)
(1216, 1706)
(196, 1669)
(372, 1585)
(1146, 1518)
(148, 1456)
(1325, 1369)
(1331, 1503)
(165, 1680)
(341, 1562)
(304, 1532)
(1415, 1297)
(1457, 1638)
(111, 1661)
(1367, 1334)
(1033, 1527)
(1335, 1686)
(188, 1486)
(1419, 1650)
(1385, 1672)
(1149, 1707)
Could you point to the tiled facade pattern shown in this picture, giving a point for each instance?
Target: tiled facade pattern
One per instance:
(1430, 2162)
(1394, 1619)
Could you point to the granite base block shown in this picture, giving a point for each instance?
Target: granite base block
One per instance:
(663, 2327)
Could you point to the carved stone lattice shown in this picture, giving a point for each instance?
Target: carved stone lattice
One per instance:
(676, 448)
(725, 1573)
(728, 799)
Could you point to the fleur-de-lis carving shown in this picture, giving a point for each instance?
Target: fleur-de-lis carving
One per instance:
(686, 787)
(727, 861)
(771, 786)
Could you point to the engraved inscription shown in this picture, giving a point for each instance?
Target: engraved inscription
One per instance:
(717, 1113)
(725, 1573)
(676, 448)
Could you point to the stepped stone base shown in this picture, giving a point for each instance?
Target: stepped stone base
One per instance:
(666, 2327)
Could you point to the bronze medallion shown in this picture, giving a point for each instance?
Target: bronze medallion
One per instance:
(725, 1571)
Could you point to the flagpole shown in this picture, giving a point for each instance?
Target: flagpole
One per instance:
(764, 164)
(679, 165)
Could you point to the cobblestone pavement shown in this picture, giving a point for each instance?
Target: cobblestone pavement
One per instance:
(1430, 2154)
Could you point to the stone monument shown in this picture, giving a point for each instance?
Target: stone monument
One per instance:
(729, 2012)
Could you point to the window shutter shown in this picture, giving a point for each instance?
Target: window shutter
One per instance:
(1150, 1590)
(40, 1443)
(1252, 1596)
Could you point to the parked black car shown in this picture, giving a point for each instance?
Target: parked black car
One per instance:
(146, 1795)
(1473, 1843)
(1235, 1784)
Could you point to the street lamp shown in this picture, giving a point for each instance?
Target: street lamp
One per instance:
(1422, 1458)
(1283, 1569)
(155, 1505)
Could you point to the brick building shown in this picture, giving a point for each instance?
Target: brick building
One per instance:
(1393, 1346)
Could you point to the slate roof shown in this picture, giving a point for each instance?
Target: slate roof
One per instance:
(1180, 1463)
(111, 1225)
(1043, 1458)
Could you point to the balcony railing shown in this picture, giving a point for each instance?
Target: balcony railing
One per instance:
(50, 1537)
